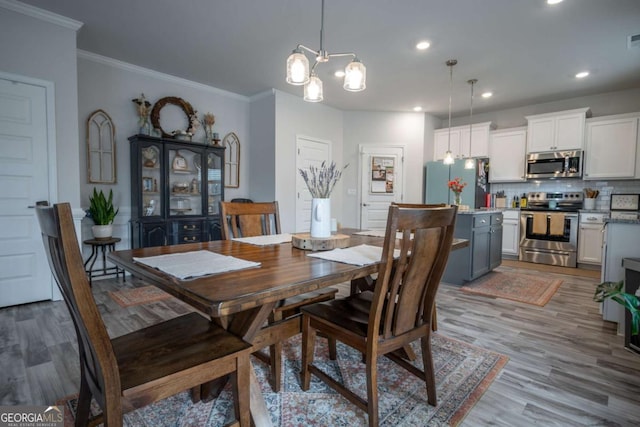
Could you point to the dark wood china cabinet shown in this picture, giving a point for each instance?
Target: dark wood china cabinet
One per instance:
(176, 187)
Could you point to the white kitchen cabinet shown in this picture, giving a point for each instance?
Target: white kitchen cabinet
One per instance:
(591, 237)
(556, 131)
(611, 147)
(511, 232)
(507, 155)
(460, 141)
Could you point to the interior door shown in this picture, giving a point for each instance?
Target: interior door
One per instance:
(310, 151)
(381, 178)
(24, 172)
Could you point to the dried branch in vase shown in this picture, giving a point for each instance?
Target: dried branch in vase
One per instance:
(321, 181)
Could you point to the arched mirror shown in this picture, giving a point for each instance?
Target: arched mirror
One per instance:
(231, 160)
(101, 148)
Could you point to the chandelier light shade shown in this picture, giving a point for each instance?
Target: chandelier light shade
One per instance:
(298, 72)
(313, 89)
(448, 156)
(297, 68)
(355, 78)
(469, 163)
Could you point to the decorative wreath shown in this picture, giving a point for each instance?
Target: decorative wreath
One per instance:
(184, 105)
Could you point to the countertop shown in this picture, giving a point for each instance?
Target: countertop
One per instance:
(621, 221)
(596, 211)
(480, 211)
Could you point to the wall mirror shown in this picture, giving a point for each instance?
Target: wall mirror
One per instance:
(231, 160)
(101, 148)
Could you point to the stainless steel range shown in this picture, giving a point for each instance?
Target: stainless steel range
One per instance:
(549, 228)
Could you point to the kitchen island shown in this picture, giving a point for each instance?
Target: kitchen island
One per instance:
(483, 229)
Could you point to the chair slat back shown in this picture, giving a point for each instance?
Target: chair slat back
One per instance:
(249, 219)
(97, 359)
(406, 288)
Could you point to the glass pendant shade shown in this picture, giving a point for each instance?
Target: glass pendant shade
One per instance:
(355, 78)
(313, 89)
(297, 68)
(469, 163)
(448, 158)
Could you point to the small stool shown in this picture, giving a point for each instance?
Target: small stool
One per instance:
(104, 245)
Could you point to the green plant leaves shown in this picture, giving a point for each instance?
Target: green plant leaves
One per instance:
(631, 302)
(101, 209)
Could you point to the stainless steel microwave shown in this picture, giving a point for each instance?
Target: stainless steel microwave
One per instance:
(556, 164)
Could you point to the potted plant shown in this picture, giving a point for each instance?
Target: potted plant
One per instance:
(102, 211)
(631, 302)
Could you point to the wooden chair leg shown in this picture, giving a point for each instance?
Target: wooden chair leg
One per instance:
(372, 389)
(275, 356)
(242, 394)
(308, 347)
(427, 363)
(434, 318)
(333, 351)
(84, 402)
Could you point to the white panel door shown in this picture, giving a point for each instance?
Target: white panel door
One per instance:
(381, 177)
(309, 152)
(24, 271)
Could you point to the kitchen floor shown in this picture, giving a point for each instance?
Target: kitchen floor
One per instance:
(567, 366)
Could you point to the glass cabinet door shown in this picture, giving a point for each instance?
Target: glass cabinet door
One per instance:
(214, 182)
(185, 182)
(151, 180)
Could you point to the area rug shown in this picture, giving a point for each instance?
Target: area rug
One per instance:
(536, 290)
(137, 296)
(463, 374)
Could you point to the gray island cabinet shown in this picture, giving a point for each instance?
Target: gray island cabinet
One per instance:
(483, 229)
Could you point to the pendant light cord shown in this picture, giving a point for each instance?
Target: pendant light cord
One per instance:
(450, 63)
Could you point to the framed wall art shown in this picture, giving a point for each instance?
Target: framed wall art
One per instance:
(101, 149)
(231, 160)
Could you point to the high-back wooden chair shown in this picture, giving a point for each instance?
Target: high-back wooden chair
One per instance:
(147, 365)
(259, 219)
(397, 312)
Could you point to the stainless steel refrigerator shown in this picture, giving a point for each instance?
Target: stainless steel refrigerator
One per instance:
(438, 175)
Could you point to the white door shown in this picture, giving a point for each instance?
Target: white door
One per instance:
(381, 178)
(24, 166)
(309, 152)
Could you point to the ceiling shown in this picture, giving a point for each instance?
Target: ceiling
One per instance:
(525, 52)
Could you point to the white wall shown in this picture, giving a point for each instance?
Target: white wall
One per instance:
(297, 117)
(406, 129)
(43, 50)
(604, 104)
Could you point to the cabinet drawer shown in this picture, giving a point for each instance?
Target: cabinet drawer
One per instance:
(497, 219)
(481, 220)
(189, 227)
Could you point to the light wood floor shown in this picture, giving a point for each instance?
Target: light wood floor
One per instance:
(567, 366)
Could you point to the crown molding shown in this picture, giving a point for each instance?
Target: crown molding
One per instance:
(43, 15)
(90, 56)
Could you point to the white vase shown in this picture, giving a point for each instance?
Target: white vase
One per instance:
(321, 218)
(102, 232)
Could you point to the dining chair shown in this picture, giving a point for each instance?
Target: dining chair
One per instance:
(144, 366)
(258, 219)
(397, 312)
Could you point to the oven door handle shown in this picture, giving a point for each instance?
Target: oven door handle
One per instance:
(570, 216)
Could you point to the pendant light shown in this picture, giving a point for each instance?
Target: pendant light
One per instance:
(299, 73)
(469, 163)
(448, 156)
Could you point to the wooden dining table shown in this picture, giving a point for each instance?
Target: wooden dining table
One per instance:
(241, 300)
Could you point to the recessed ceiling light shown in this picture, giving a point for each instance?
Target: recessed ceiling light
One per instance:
(582, 75)
(417, 108)
(422, 45)
(339, 73)
(554, 1)
(487, 94)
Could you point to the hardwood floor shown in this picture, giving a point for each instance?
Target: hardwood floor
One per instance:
(566, 367)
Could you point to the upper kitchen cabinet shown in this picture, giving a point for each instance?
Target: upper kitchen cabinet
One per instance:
(611, 148)
(557, 131)
(507, 155)
(460, 141)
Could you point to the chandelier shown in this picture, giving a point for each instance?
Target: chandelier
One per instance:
(448, 156)
(298, 73)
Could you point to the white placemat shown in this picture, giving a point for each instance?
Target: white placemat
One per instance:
(356, 255)
(189, 265)
(272, 239)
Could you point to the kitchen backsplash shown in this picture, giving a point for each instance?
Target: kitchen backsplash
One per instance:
(606, 188)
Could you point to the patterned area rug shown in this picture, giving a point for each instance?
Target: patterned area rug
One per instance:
(536, 290)
(137, 296)
(463, 373)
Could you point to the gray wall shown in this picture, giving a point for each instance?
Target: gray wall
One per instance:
(262, 162)
(34, 48)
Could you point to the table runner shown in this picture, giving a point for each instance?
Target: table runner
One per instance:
(355, 255)
(271, 239)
